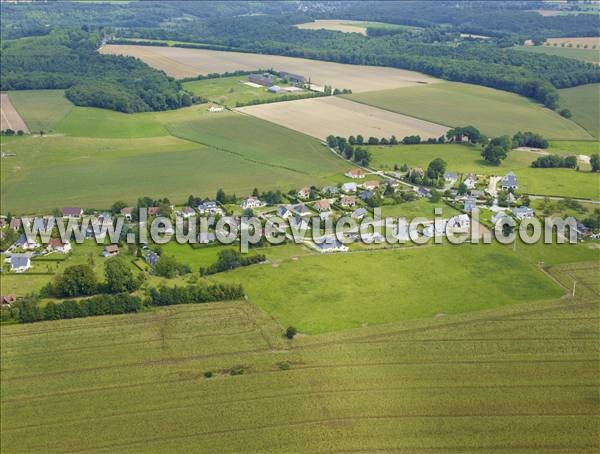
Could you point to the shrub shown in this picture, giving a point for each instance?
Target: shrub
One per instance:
(291, 332)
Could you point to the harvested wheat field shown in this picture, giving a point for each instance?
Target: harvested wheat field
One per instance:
(9, 117)
(180, 62)
(582, 41)
(319, 117)
(335, 25)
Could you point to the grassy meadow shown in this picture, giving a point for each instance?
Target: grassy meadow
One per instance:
(456, 382)
(323, 293)
(229, 91)
(466, 159)
(589, 55)
(99, 156)
(584, 104)
(494, 112)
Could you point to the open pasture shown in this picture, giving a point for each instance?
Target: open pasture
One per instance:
(584, 104)
(181, 62)
(513, 378)
(467, 159)
(320, 117)
(494, 112)
(42, 110)
(9, 117)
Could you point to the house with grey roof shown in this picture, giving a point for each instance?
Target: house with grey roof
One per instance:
(522, 213)
(451, 177)
(469, 204)
(330, 190)
(19, 263)
(152, 258)
(331, 245)
(359, 213)
(509, 181)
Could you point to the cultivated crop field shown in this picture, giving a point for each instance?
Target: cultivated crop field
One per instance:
(320, 117)
(574, 41)
(349, 26)
(494, 112)
(181, 62)
(453, 382)
(100, 156)
(584, 104)
(42, 110)
(467, 159)
(9, 117)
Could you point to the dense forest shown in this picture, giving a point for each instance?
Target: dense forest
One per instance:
(68, 60)
(267, 27)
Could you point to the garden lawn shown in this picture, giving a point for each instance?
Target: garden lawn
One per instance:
(467, 159)
(42, 110)
(417, 208)
(494, 112)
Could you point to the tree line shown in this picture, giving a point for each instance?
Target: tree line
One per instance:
(68, 59)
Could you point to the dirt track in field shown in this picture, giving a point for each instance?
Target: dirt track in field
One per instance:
(181, 62)
(9, 117)
(319, 117)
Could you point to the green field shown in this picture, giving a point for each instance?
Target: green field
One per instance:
(466, 159)
(589, 55)
(42, 110)
(417, 208)
(231, 90)
(210, 151)
(584, 104)
(571, 147)
(512, 379)
(342, 291)
(494, 112)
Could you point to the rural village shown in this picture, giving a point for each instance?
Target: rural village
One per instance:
(438, 135)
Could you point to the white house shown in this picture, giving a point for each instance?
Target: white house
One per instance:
(111, 250)
(522, 213)
(57, 245)
(304, 193)
(252, 202)
(331, 245)
(349, 187)
(470, 181)
(355, 173)
(450, 177)
(23, 243)
(213, 109)
(187, 213)
(209, 207)
(459, 222)
(19, 263)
